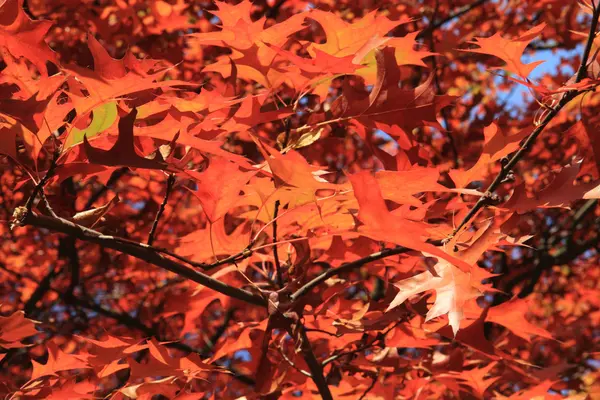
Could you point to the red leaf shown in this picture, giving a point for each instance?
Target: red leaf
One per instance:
(58, 361)
(23, 37)
(15, 328)
(219, 186)
(123, 152)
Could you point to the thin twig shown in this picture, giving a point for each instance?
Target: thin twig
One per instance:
(456, 14)
(40, 185)
(349, 267)
(380, 338)
(290, 362)
(371, 386)
(275, 252)
(161, 209)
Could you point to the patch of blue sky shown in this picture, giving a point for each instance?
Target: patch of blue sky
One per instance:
(519, 95)
(243, 355)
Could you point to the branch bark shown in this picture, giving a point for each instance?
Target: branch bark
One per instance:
(314, 366)
(141, 252)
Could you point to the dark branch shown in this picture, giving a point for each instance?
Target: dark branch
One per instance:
(347, 268)
(146, 253)
(275, 252)
(125, 320)
(314, 366)
(371, 386)
(456, 14)
(161, 210)
(40, 185)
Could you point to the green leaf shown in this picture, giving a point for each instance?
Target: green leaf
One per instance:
(102, 119)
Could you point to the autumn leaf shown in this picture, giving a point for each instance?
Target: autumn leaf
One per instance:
(58, 361)
(509, 50)
(123, 151)
(23, 37)
(387, 103)
(90, 218)
(495, 146)
(353, 192)
(218, 186)
(511, 315)
(452, 286)
(380, 224)
(102, 118)
(15, 328)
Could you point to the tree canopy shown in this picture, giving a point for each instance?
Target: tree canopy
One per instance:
(289, 199)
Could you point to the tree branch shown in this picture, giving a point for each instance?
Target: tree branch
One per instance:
(275, 252)
(371, 386)
(526, 146)
(141, 252)
(161, 210)
(40, 185)
(126, 320)
(349, 267)
(456, 14)
(314, 366)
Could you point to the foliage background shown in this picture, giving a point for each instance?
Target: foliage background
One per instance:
(247, 102)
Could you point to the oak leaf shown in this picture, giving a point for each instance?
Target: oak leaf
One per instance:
(58, 361)
(510, 50)
(122, 153)
(15, 328)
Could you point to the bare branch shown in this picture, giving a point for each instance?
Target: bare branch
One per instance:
(371, 386)
(40, 185)
(456, 14)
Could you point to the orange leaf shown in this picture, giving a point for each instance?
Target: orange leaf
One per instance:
(510, 51)
(58, 361)
(511, 315)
